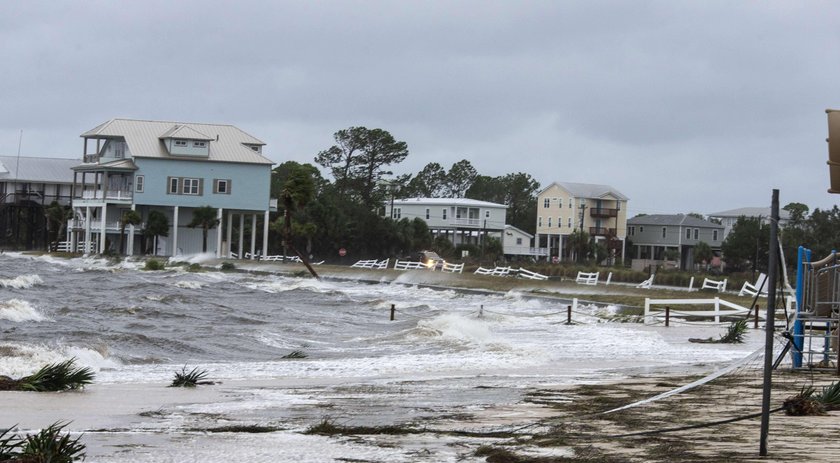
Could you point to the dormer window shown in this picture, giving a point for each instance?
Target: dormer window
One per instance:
(199, 144)
(181, 143)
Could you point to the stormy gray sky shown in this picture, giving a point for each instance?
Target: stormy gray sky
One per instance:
(682, 106)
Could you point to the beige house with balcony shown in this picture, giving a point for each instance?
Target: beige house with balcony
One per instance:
(563, 207)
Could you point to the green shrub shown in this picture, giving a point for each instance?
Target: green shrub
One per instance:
(189, 379)
(194, 268)
(154, 264)
(228, 266)
(51, 378)
(48, 445)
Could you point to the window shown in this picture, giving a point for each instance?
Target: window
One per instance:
(549, 222)
(199, 144)
(519, 241)
(173, 185)
(444, 214)
(539, 221)
(255, 148)
(714, 235)
(688, 233)
(191, 186)
(632, 231)
(181, 143)
(571, 204)
(560, 203)
(546, 203)
(559, 222)
(696, 233)
(641, 229)
(397, 213)
(428, 214)
(221, 186)
(570, 222)
(664, 231)
(138, 183)
(486, 214)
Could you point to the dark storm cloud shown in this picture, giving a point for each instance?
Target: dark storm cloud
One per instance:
(681, 105)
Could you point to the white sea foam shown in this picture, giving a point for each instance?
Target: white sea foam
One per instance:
(21, 281)
(23, 359)
(457, 328)
(18, 310)
(199, 258)
(188, 284)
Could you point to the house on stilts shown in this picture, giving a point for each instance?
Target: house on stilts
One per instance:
(171, 169)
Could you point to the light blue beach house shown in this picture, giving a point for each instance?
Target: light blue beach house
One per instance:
(172, 168)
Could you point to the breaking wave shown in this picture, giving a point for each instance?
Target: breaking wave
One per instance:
(21, 282)
(17, 310)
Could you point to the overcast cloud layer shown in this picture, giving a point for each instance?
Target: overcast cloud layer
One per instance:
(682, 106)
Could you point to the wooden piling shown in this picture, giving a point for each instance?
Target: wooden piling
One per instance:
(569, 315)
(667, 316)
(393, 309)
(757, 308)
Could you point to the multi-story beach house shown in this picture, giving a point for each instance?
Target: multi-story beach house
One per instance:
(654, 235)
(460, 220)
(27, 186)
(172, 168)
(563, 207)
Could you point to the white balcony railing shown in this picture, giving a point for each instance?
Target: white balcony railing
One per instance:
(118, 195)
(469, 222)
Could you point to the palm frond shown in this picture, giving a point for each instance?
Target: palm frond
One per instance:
(189, 379)
(50, 444)
(830, 395)
(57, 377)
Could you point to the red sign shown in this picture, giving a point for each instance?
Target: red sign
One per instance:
(342, 252)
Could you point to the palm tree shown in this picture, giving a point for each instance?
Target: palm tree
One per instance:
(204, 217)
(58, 215)
(130, 217)
(156, 225)
(579, 242)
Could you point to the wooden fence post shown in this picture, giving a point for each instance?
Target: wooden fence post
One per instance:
(569, 315)
(667, 316)
(757, 308)
(393, 309)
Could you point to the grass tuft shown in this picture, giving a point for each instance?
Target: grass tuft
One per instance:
(154, 264)
(806, 403)
(296, 354)
(193, 378)
(735, 333)
(48, 445)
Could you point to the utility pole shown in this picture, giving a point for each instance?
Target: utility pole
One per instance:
(770, 324)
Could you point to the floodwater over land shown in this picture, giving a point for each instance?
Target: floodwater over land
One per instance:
(449, 361)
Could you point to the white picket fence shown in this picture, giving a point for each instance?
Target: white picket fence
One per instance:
(647, 283)
(408, 265)
(719, 286)
(372, 264)
(496, 271)
(451, 268)
(525, 273)
(720, 308)
(584, 278)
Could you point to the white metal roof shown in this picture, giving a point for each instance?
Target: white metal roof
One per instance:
(672, 219)
(447, 202)
(226, 142)
(37, 169)
(750, 212)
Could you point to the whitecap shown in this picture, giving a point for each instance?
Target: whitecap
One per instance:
(21, 281)
(17, 310)
(188, 284)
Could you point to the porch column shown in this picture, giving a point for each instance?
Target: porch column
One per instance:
(72, 231)
(560, 248)
(102, 226)
(219, 233)
(253, 235)
(87, 230)
(130, 250)
(229, 233)
(265, 235)
(174, 232)
(623, 249)
(241, 235)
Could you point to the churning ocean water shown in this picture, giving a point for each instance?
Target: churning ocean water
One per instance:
(449, 359)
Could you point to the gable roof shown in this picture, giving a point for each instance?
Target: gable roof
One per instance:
(672, 219)
(587, 190)
(144, 138)
(750, 212)
(519, 230)
(37, 169)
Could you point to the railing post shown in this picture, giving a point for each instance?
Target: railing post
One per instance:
(393, 309)
(647, 309)
(691, 284)
(667, 316)
(757, 308)
(717, 310)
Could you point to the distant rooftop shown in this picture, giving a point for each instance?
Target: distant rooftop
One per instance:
(37, 169)
(672, 219)
(750, 212)
(447, 202)
(588, 190)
